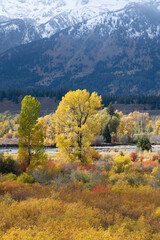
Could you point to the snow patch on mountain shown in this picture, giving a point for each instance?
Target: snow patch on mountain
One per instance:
(43, 10)
(44, 18)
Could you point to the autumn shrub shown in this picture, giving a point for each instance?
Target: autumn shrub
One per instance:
(135, 180)
(114, 202)
(121, 201)
(137, 167)
(7, 164)
(107, 161)
(106, 212)
(43, 174)
(54, 219)
(115, 178)
(9, 135)
(64, 173)
(7, 199)
(156, 176)
(133, 156)
(155, 157)
(82, 176)
(22, 167)
(22, 191)
(95, 155)
(100, 188)
(90, 168)
(51, 172)
(114, 139)
(157, 212)
(25, 178)
(150, 165)
(141, 158)
(51, 164)
(122, 163)
(10, 176)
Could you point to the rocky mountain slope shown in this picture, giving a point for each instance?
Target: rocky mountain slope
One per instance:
(111, 48)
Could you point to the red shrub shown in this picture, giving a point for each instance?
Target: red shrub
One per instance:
(133, 156)
(114, 139)
(91, 168)
(150, 163)
(9, 135)
(23, 167)
(103, 172)
(76, 165)
(100, 188)
(141, 158)
(51, 164)
(155, 157)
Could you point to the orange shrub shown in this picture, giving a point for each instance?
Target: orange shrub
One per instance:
(100, 188)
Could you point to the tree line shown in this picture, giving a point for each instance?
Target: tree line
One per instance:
(16, 95)
(79, 118)
(152, 100)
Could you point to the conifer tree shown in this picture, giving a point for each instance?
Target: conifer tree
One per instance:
(107, 135)
(110, 109)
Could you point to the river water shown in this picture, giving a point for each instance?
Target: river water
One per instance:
(127, 148)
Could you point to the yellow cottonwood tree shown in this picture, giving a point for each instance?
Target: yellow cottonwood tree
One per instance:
(126, 125)
(157, 126)
(140, 121)
(76, 124)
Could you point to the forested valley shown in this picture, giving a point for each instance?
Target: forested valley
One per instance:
(79, 192)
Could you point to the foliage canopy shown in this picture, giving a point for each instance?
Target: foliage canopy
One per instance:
(30, 134)
(144, 143)
(76, 124)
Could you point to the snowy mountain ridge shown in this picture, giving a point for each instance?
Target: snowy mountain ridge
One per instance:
(25, 21)
(42, 10)
(108, 46)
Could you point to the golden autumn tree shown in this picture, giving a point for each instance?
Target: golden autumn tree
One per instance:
(48, 129)
(140, 121)
(76, 125)
(156, 128)
(126, 126)
(135, 122)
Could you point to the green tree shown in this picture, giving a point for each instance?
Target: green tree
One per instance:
(149, 128)
(110, 109)
(112, 120)
(76, 124)
(113, 123)
(30, 134)
(144, 143)
(107, 135)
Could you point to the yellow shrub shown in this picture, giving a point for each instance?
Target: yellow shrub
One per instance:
(122, 163)
(157, 212)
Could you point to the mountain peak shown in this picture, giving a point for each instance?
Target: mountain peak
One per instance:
(42, 10)
(110, 46)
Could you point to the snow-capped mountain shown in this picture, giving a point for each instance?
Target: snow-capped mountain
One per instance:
(43, 10)
(109, 46)
(24, 21)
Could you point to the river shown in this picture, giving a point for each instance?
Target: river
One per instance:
(127, 148)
